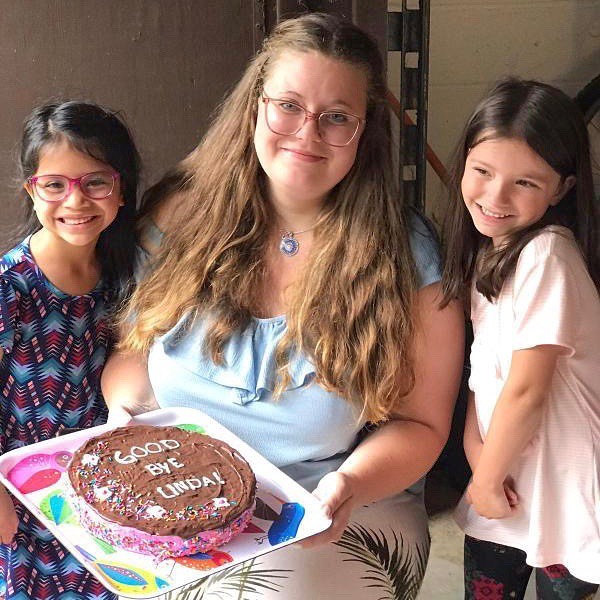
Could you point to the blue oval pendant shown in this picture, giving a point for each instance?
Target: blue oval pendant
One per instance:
(289, 244)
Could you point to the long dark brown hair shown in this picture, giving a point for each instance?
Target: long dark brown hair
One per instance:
(551, 124)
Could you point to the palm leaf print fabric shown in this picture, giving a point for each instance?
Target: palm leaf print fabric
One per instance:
(395, 570)
(381, 555)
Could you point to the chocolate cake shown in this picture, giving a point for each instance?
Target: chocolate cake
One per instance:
(163, 491)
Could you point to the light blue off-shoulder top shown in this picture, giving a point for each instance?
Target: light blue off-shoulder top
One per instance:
(308, 431)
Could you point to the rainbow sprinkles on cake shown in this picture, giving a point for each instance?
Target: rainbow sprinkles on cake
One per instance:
(162, 491)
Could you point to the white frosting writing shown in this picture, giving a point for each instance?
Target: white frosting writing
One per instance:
(137, 452)
(172, 490)
(163, 467)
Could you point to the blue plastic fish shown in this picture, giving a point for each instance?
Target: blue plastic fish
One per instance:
(286, 526)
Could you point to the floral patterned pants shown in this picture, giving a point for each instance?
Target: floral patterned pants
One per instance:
(497, 572)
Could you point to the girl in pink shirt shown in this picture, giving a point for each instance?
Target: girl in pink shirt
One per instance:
(522, 236)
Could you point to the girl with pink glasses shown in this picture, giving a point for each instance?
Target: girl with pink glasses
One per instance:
(79, 168)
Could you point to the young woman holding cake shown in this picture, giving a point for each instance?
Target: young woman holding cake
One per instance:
(291, 297)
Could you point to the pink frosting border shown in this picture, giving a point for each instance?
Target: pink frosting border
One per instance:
(161, 546)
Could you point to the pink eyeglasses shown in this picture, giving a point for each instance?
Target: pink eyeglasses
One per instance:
(55, 188)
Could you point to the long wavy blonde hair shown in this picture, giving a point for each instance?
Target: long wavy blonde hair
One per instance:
(351, 310)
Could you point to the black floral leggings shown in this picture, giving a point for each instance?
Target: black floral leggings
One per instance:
(497, 572)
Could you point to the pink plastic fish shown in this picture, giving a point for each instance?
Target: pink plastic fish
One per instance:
(39, 471)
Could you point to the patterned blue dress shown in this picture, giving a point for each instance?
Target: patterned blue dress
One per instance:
(54, 347)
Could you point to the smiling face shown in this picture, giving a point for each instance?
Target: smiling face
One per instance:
(507, 187)
(77, 220)
(301, 168)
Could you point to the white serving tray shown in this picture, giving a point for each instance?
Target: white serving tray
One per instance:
(37, 476)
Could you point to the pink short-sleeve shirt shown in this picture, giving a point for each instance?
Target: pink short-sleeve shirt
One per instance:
(550, 299)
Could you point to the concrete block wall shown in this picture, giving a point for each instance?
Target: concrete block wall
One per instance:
(475, 42)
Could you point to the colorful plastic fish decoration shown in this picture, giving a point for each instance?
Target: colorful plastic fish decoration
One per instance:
(130, 580)
(204, 562)
(105, 546)
(56, 508)
(286, 526)
(192, 427)
(39, 471)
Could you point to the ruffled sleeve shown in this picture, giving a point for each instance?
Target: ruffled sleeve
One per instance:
(249, 357)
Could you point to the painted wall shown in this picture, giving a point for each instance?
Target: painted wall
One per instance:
(153, 59)
(164, 64)
(474, 42)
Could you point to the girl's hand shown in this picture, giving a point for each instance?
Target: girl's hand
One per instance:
(336, 493)
(493, 502)
(8, 518)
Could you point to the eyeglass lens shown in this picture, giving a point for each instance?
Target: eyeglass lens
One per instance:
(286, 118)
(53, 188)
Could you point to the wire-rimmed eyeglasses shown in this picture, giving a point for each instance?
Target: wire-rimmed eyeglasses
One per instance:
(336, 128)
